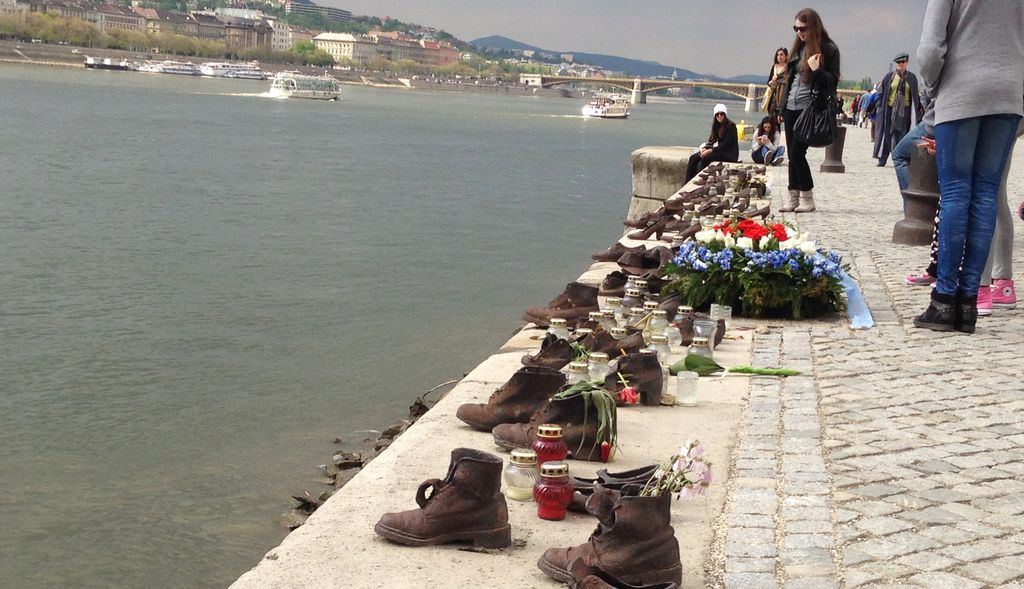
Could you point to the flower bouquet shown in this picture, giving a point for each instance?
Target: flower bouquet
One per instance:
(687, 474)
(765, 270)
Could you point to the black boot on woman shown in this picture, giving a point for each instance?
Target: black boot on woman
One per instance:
(966, 313)
(941, 314)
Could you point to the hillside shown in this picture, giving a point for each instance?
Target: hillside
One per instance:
(633, 67)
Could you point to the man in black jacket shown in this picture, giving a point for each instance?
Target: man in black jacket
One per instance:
(899, 108)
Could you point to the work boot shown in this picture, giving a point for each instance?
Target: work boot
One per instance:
(592, 577)
(966, 313)
(685, 324)
(574, 305)
(615, 252)
(516, 400)
(651, 260)
(790, 201)
(467, 506)
(806, 202)
(643, 372)
(579, 428)
(555, 352)
(614, 284)
(941, 314)
(634, 542)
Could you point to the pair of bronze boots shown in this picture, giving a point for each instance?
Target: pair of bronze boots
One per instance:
(556, 352)
(574, 305)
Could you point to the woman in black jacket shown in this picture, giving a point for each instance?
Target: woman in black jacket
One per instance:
(813, 67)
(723, 144)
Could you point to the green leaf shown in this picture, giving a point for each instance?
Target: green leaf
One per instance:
(699, 364)
(765, 371)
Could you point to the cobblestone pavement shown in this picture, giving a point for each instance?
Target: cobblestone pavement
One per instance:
(896, 460)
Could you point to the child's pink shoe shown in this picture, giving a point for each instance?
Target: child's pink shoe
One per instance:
(1003, 294)
(984, 301)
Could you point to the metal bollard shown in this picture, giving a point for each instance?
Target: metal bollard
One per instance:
(834, 154)
(922, 201)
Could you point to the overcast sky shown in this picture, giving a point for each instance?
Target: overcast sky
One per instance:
(723, 37)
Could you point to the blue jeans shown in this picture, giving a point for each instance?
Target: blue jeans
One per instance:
(765, 155)
(971, 155)
(901, 156)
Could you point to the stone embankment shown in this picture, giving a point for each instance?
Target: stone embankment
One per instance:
(892, 461)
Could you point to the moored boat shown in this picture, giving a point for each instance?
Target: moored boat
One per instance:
(106, 63)
(183, 68)
(607, 107)
(242, 71)
(297, 85)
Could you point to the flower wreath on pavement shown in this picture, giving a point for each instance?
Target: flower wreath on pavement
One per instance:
(764, 270)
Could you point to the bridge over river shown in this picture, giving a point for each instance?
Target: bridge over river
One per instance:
(639, 87)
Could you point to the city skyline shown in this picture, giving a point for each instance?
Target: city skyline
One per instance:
(687, 34)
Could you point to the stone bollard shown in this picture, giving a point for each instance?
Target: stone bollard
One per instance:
(834, 154)
(921, 200)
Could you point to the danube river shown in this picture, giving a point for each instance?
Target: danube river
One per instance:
(200, 287)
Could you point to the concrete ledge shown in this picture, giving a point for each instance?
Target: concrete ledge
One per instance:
(658, 172)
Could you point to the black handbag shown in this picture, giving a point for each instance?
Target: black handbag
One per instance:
(817, 126)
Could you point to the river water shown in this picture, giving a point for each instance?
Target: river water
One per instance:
(200, 287)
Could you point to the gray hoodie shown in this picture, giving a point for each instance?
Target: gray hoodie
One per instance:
(972, 57)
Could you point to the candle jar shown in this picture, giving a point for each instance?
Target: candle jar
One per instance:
(686, 388)
(598, 367)
(641, 285)
(577, 373)
(618, 333)
(608, 320)
(521, 474)
(705, 328)
(659, 343)
(701, 347)
(614, 304)
(631, 299)
(553, 492)
(659, 322)
(548, 444)
(595, 317)
(581, 333)
(636, 318)
(630, 282)
(558, 328)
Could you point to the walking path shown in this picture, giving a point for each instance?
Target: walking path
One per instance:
(896, 461)
(892, 461)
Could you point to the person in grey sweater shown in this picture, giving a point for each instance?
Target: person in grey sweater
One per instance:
(972, 64)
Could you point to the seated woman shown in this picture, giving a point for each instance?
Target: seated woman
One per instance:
(722, 146)
(762, 148)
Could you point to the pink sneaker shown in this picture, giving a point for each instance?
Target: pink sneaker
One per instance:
(1003, 295)
(922, 279)
(984, 301)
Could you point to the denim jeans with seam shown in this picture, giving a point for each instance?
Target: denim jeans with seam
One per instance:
(901, 156)
(971, 155)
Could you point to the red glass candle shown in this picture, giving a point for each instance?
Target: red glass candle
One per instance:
(548, 444)
(553, 492)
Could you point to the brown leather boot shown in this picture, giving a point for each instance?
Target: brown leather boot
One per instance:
(579, 428)
(573, 305)
(555, 352)
(615, 252)
(467, 506)
(634, 542)
(516, 400)
(685, 324)
(642, 371)
(614, 284)
(652, 260)
(602, 341)
(592, 577)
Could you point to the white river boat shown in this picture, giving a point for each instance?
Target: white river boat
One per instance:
(607, 107)
(296, 85)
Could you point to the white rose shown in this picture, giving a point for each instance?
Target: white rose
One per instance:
(790, 243)
(730, 241)
(808, 248)
(705, 236)
(745, 243)
(763, 242)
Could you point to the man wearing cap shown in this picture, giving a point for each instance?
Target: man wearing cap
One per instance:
(899, 108)
(723, 145)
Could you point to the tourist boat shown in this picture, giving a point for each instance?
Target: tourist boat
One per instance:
(107, 63)
(607, 107)
(241, 71)
(297, 85)
(181, 68)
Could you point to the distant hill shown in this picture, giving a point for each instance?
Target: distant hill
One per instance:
(633, 67)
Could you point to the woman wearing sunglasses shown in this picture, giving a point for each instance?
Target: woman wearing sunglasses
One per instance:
(723, 144)
(813, 67)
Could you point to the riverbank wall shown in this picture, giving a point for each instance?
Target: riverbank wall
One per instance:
(337, 547)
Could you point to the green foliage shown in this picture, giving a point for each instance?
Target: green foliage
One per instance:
(306, 53)
(600, 402)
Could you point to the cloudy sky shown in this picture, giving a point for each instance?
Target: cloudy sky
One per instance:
(722, 37)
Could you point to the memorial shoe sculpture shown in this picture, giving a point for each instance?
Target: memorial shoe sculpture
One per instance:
(586, 414)
(573, 305)
(634, 541)
(516, 400)
(467, 506)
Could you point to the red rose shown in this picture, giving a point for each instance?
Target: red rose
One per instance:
(629, 396)
(779, 232)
